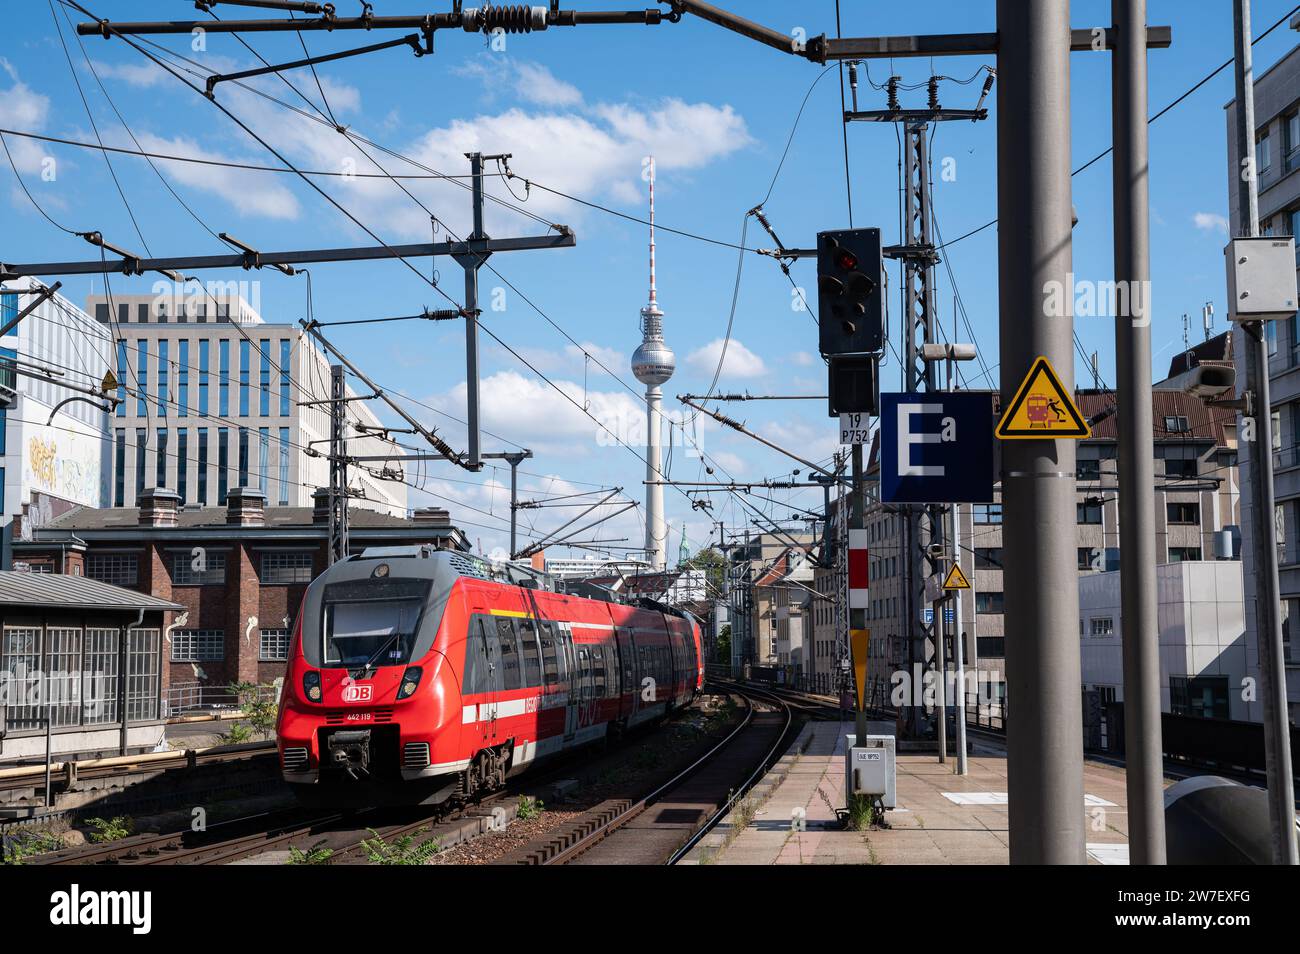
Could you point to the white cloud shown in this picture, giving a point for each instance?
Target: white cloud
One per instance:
(141, 75)
(803, 359)
(1211, 222)
(250, 193)
(740, 362)
(536, 84)
(530, 411)
(21, 107)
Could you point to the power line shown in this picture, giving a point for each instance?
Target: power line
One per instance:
(1109, 149)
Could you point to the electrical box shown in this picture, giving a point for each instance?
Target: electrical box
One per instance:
(1261, 278)
(869, 768)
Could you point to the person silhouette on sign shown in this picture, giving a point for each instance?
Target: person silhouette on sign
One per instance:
(1054, 406)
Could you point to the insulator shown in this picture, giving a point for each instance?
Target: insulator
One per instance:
(892, 87)
(510, 18)
(934, 92)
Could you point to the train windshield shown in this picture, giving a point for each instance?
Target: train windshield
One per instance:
(370, 633)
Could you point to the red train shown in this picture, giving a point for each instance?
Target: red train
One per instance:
(418, 674)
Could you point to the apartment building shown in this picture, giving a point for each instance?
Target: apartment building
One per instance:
(1277, 163)
(214, 397)
(750, 595)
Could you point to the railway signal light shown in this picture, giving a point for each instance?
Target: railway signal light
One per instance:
(850, 301)
(854, 385)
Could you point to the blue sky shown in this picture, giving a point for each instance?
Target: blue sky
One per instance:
(580, 109)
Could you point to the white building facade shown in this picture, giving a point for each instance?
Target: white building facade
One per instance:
(1207, 664)
(217, 398)
(56, 451)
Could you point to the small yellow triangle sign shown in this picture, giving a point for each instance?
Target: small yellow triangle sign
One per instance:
(956, 579)
(109, 382)
(1042, 408)
(859, 640)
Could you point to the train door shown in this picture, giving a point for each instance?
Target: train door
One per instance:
(490, 689)
(568, 661)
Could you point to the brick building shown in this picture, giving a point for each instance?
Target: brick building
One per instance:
(239, 571)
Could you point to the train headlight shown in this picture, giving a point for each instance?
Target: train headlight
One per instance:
(311, 685)
(410, 681)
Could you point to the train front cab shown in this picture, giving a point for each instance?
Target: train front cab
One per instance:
(367, 697)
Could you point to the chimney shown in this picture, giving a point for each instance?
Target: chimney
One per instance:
(320, 506)
(539, 561)
(245, 507)
(431, 517)
(157, 507)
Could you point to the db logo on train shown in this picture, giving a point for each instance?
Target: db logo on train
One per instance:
(356, 692)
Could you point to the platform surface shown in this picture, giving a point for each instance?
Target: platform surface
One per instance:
(941, 818)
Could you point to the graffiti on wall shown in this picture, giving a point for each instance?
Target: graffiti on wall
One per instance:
(64, 464)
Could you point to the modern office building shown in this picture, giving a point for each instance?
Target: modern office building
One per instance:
(1277, 162)
(215, 398)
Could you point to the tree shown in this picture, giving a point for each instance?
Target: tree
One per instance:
(722, 647)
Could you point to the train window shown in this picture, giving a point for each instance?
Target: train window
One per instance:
(550, 655)
(584, 671)
(531, 657)
(476, 677)
(510, 664)
(369, 633)
(598, 670)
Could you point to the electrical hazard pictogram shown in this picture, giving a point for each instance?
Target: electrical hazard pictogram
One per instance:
(1042, 408)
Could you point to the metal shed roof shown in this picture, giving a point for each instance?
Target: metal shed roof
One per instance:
(74, 592)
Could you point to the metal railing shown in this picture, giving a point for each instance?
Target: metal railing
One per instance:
(194, 697)
(985, 713)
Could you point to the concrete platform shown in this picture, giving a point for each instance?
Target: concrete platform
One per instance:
(941, 818)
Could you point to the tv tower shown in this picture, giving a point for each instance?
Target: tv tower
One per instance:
(653, 363)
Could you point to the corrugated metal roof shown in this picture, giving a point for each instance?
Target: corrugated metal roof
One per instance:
(75, 592)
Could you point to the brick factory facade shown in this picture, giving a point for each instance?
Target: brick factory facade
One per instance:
(239, 571)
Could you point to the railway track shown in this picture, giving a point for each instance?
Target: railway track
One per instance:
(339, 832)
(663, 825)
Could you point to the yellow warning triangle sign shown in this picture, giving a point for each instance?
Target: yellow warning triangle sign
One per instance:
(956, 579)
(859, 640)
(1042, 408)
(109, 383)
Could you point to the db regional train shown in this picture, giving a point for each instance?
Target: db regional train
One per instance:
(418, 675)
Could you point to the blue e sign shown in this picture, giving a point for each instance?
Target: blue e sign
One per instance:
(936, 447)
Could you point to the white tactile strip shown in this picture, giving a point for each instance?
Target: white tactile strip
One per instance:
(1000, 798)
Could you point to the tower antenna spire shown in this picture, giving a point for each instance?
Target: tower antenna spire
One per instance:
(653, 364)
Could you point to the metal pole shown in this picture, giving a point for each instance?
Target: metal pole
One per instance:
(1137, 518)
(514, 504)
(858, 617)
(958, 649)
(940, 671)
(49, 721)
(1045, 741)
(471, 265)
(338, 515)
(1268, 626)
